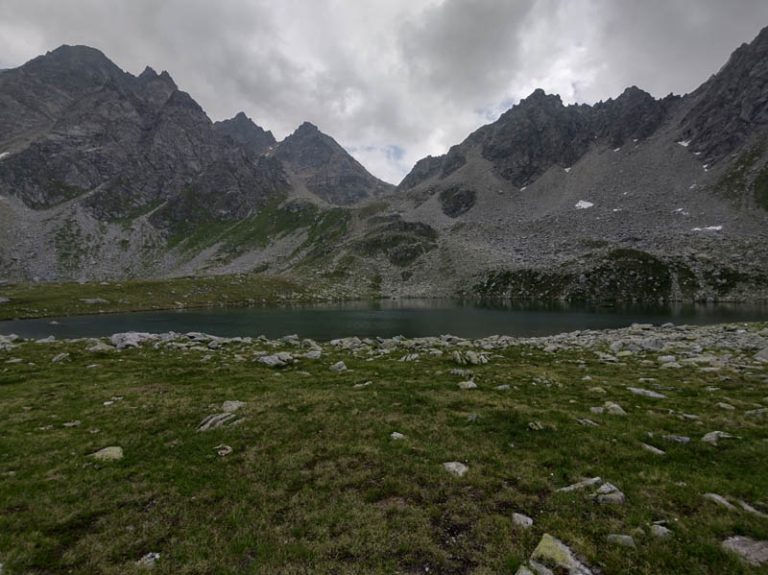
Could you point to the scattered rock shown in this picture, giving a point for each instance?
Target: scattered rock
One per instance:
(749, 509)
(396, 436)
(338, 367)
(70, 424)
(647, 393)
(130, 339)
(111, 453)
(503, 387)
(652, 449)
(4, 299)
(757, 413)
(223, 450)
(678, 438)
(536, 426)
(149, 560)
(60, 358)
(609, 494)
(726, 406)
(761, 355)
(467, 385)
(581, 485)
(362, 385)
(215, 421)
(456, 468)
(719, 500)
(553, 556)
(469, 357)
(660, 532)
(231, 406)
(613, 408)
(750, 550)
(714, 436)
(587, 422)
(313, 354)
(522, 520)
(281, 359)
(99, 347)
(621, 540)
(598, 390)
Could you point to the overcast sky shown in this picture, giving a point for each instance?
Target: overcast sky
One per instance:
(392, 80)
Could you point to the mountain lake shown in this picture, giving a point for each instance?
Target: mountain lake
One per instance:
(387, 318)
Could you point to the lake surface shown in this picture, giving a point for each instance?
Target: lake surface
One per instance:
(410, 318)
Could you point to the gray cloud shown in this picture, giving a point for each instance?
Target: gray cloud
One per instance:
(392, 80)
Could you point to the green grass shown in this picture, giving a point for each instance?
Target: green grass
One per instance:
(59, 299)
(315, 485)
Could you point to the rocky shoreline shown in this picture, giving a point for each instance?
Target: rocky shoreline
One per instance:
(708, 347)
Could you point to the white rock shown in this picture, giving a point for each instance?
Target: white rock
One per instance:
(647, 393)
(111, 453)
(130, 339)
(149, 560)
(581, 485)
(230, 406)
(467, 385)
(613, 408)
(60, 357)
(752, 551)
(652, 449)
(338, 367)
(522, 520)
(455, 468)
(660, 532)
(720, 500)
(714, 436)
(396, 436)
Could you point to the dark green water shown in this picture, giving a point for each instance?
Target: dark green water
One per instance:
(410, 318)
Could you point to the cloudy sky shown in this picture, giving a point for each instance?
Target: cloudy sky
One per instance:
(392, 80)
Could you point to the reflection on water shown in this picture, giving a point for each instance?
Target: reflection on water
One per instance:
(387, 318)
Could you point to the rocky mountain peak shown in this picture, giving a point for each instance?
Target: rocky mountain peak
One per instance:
(246, 133)
(326, 168)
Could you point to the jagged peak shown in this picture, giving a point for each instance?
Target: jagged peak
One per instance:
(307, 128)
(148, 73)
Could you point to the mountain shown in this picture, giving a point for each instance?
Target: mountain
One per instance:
(244, 132)
(326, 169)
(631, 198)
(107, 175)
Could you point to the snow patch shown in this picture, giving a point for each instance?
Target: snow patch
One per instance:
(684, 143)
(617, 210)
(583, 205)
(708, 229)
(681, 211)
(617, 150)
(523, 188)
(567, 170)
(4, 155)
